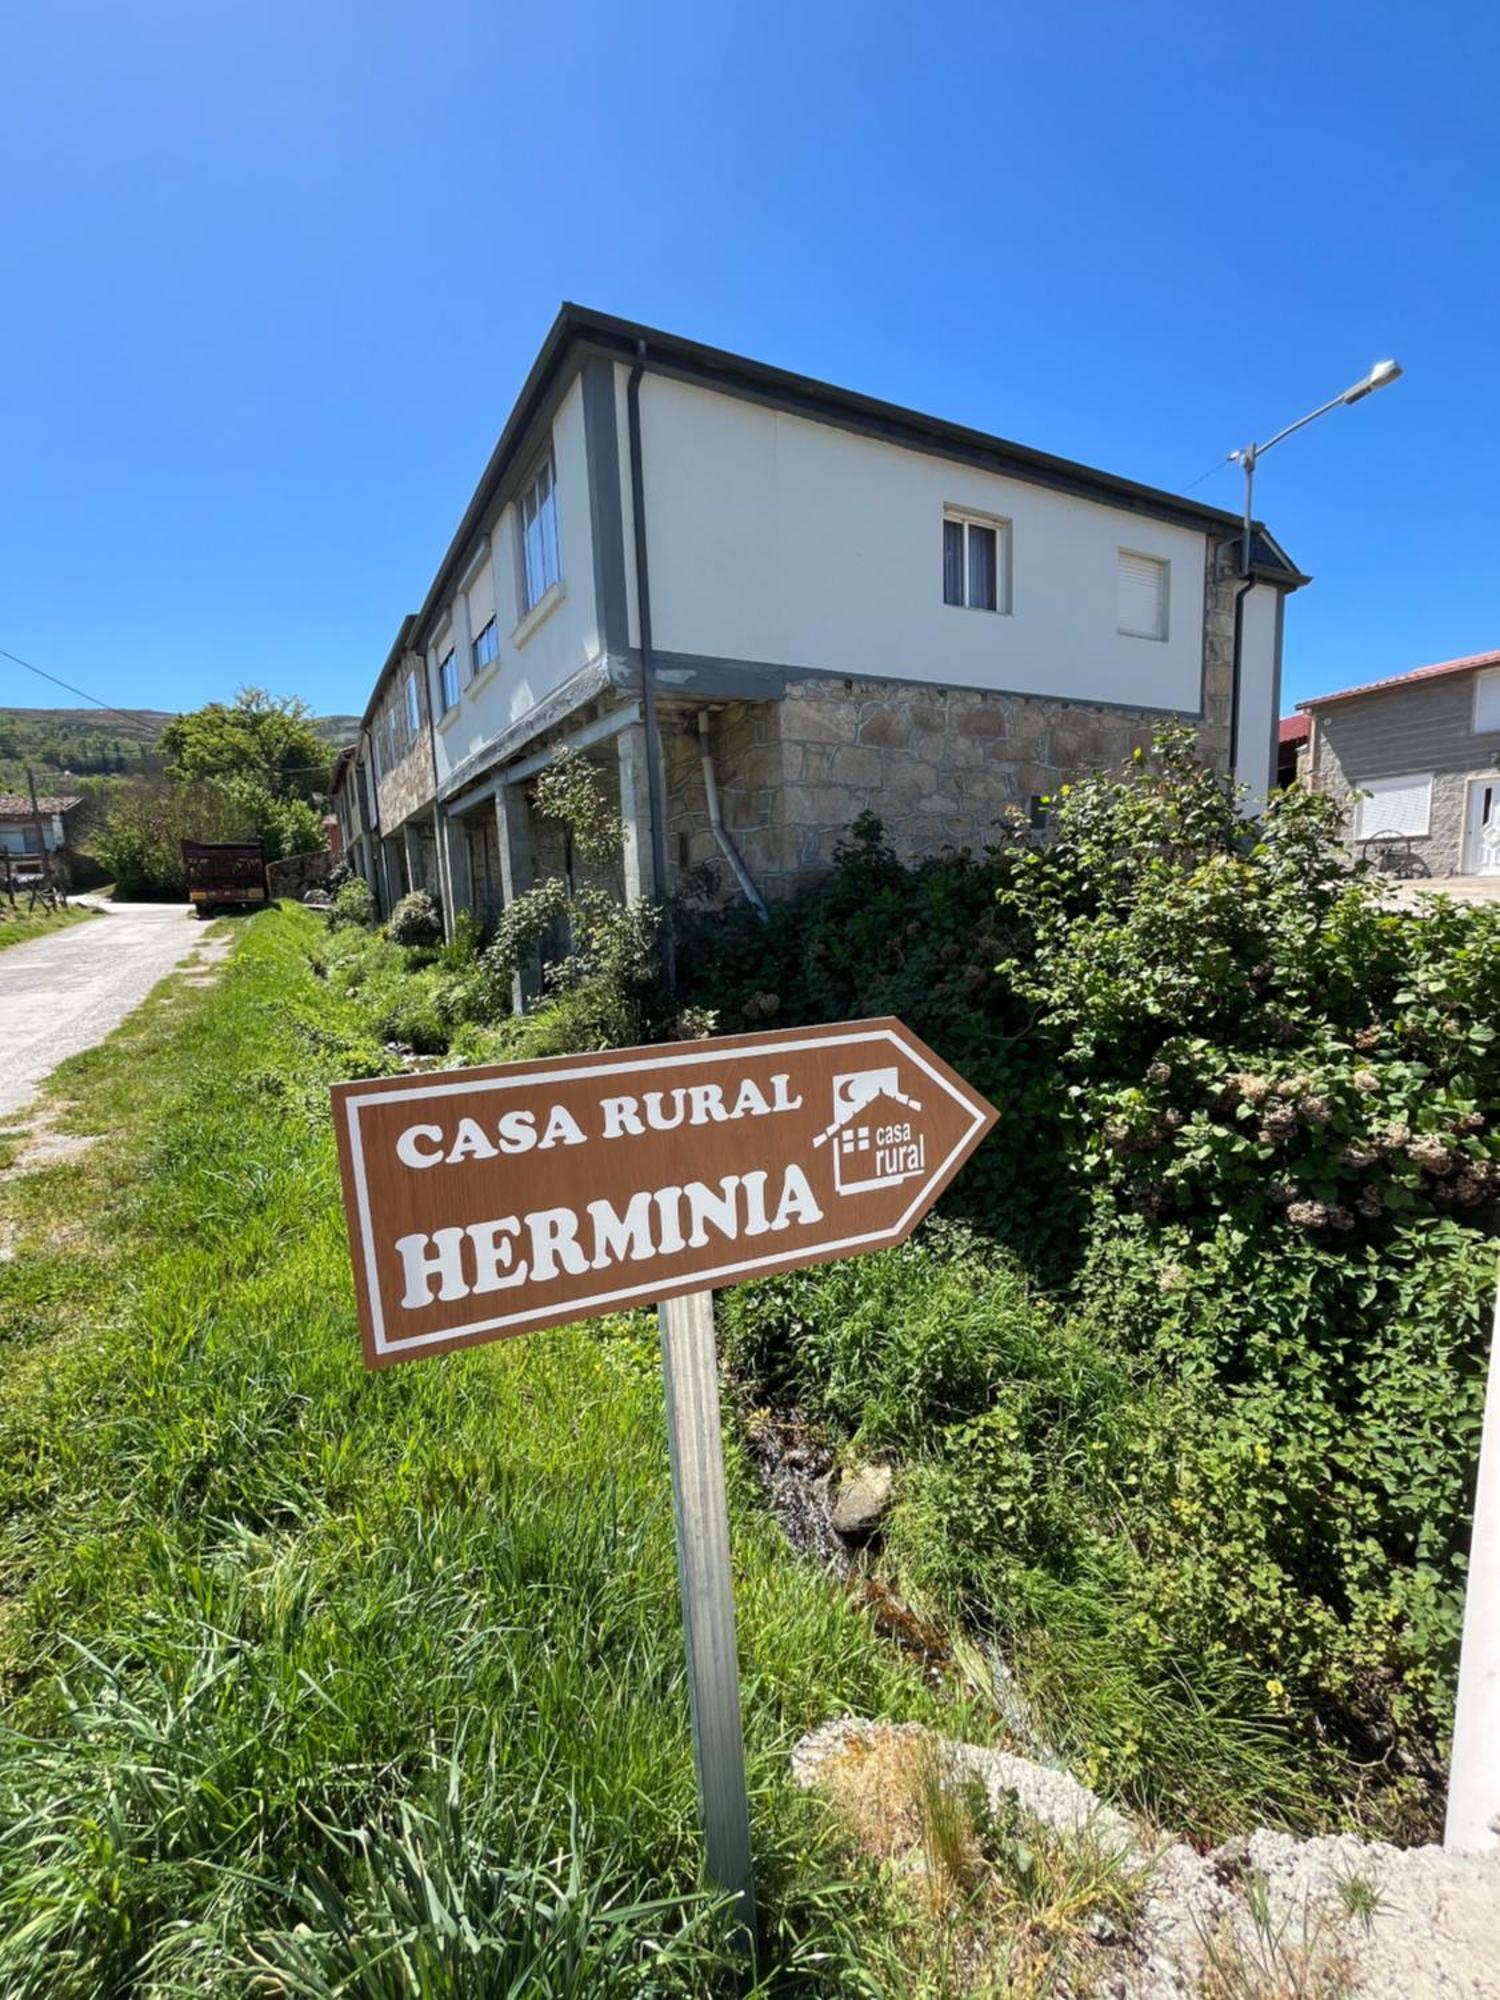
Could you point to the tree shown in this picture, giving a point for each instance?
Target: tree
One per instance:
(266, 739)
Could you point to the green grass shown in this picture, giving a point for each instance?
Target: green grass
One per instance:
(20, 925)
(321, 1681)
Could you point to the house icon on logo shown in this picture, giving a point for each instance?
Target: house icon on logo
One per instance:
(875, 1142)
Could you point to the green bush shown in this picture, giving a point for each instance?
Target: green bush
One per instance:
(354, 904)
(597, 952)
(415, 921)
(1197, 1450)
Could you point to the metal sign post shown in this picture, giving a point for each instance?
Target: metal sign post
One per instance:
(690, 1371)
(1473, 1821)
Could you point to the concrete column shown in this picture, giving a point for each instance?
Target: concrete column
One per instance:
(635, 811)
(458, 890)
(513, 828)
(390, 873)
(440, 868)
(411, 848)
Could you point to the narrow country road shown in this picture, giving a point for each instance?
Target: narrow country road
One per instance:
(66, 992)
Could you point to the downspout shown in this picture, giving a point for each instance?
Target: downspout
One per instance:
(655, 787)
(717, 827)
(439, 829)
(1247, 583)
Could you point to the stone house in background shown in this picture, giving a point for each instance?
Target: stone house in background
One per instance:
(1418, 759)
(763, 605)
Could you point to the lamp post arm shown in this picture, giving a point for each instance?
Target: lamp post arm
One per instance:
(1321, 411)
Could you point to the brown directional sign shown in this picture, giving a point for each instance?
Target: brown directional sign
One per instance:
(487, 1202)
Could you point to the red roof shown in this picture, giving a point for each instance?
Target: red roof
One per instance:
(1294, 729)
(1465, 666)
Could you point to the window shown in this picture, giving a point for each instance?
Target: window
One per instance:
(392, 744)
(413, 705)
(1487, 700)
(976, 563)
(448, 679)
(541, 565)
(479, 593)
(1394, 805)
(485, 647)
(1143, 583)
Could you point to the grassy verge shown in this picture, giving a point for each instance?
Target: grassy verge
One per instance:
(18, 926)
(318, 1681)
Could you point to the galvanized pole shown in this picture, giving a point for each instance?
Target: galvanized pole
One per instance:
(1473, 1821)
(693, 1436)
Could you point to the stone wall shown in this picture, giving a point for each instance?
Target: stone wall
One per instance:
(406, 784)
(299, 873)
(942, 767)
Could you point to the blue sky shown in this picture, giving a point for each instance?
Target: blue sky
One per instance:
(276, 273)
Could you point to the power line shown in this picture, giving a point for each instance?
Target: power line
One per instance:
(141, 714)
(125, 715)
(1217, 466)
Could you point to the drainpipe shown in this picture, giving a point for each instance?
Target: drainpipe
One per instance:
(717, 827)
(655, 787)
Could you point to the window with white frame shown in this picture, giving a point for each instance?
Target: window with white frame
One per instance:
(448, 679)
(1143, 590)
(976, 561)
(1394, 805)
(413, 706)
(541, 561)
(485, 645)
(479, 595)
(1487, 701)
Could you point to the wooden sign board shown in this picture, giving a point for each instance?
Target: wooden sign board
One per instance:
(487, 1202)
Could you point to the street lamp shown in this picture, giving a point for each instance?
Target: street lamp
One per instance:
(1379, 375)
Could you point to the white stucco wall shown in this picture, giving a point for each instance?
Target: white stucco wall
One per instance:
(1255, 751)
(539, 655)
(777, 539)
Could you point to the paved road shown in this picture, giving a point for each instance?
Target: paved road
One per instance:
(66, 992)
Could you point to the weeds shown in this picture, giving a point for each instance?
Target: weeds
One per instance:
(994, 1898)
(1360, 1897)
(1264, 1960)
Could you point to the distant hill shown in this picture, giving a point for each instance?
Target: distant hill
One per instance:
(97, 743)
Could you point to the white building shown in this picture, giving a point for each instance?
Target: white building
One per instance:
(815, 602)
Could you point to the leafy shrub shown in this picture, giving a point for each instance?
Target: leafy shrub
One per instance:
(354, 903)
(1210, 1486)
(1243, 1024)
(415, 921)
(598, 952)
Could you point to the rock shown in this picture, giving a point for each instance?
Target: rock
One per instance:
(864, 1497)
(1426, 1932)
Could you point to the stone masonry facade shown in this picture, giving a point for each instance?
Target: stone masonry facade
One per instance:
(1423, 729)
(941, 767)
